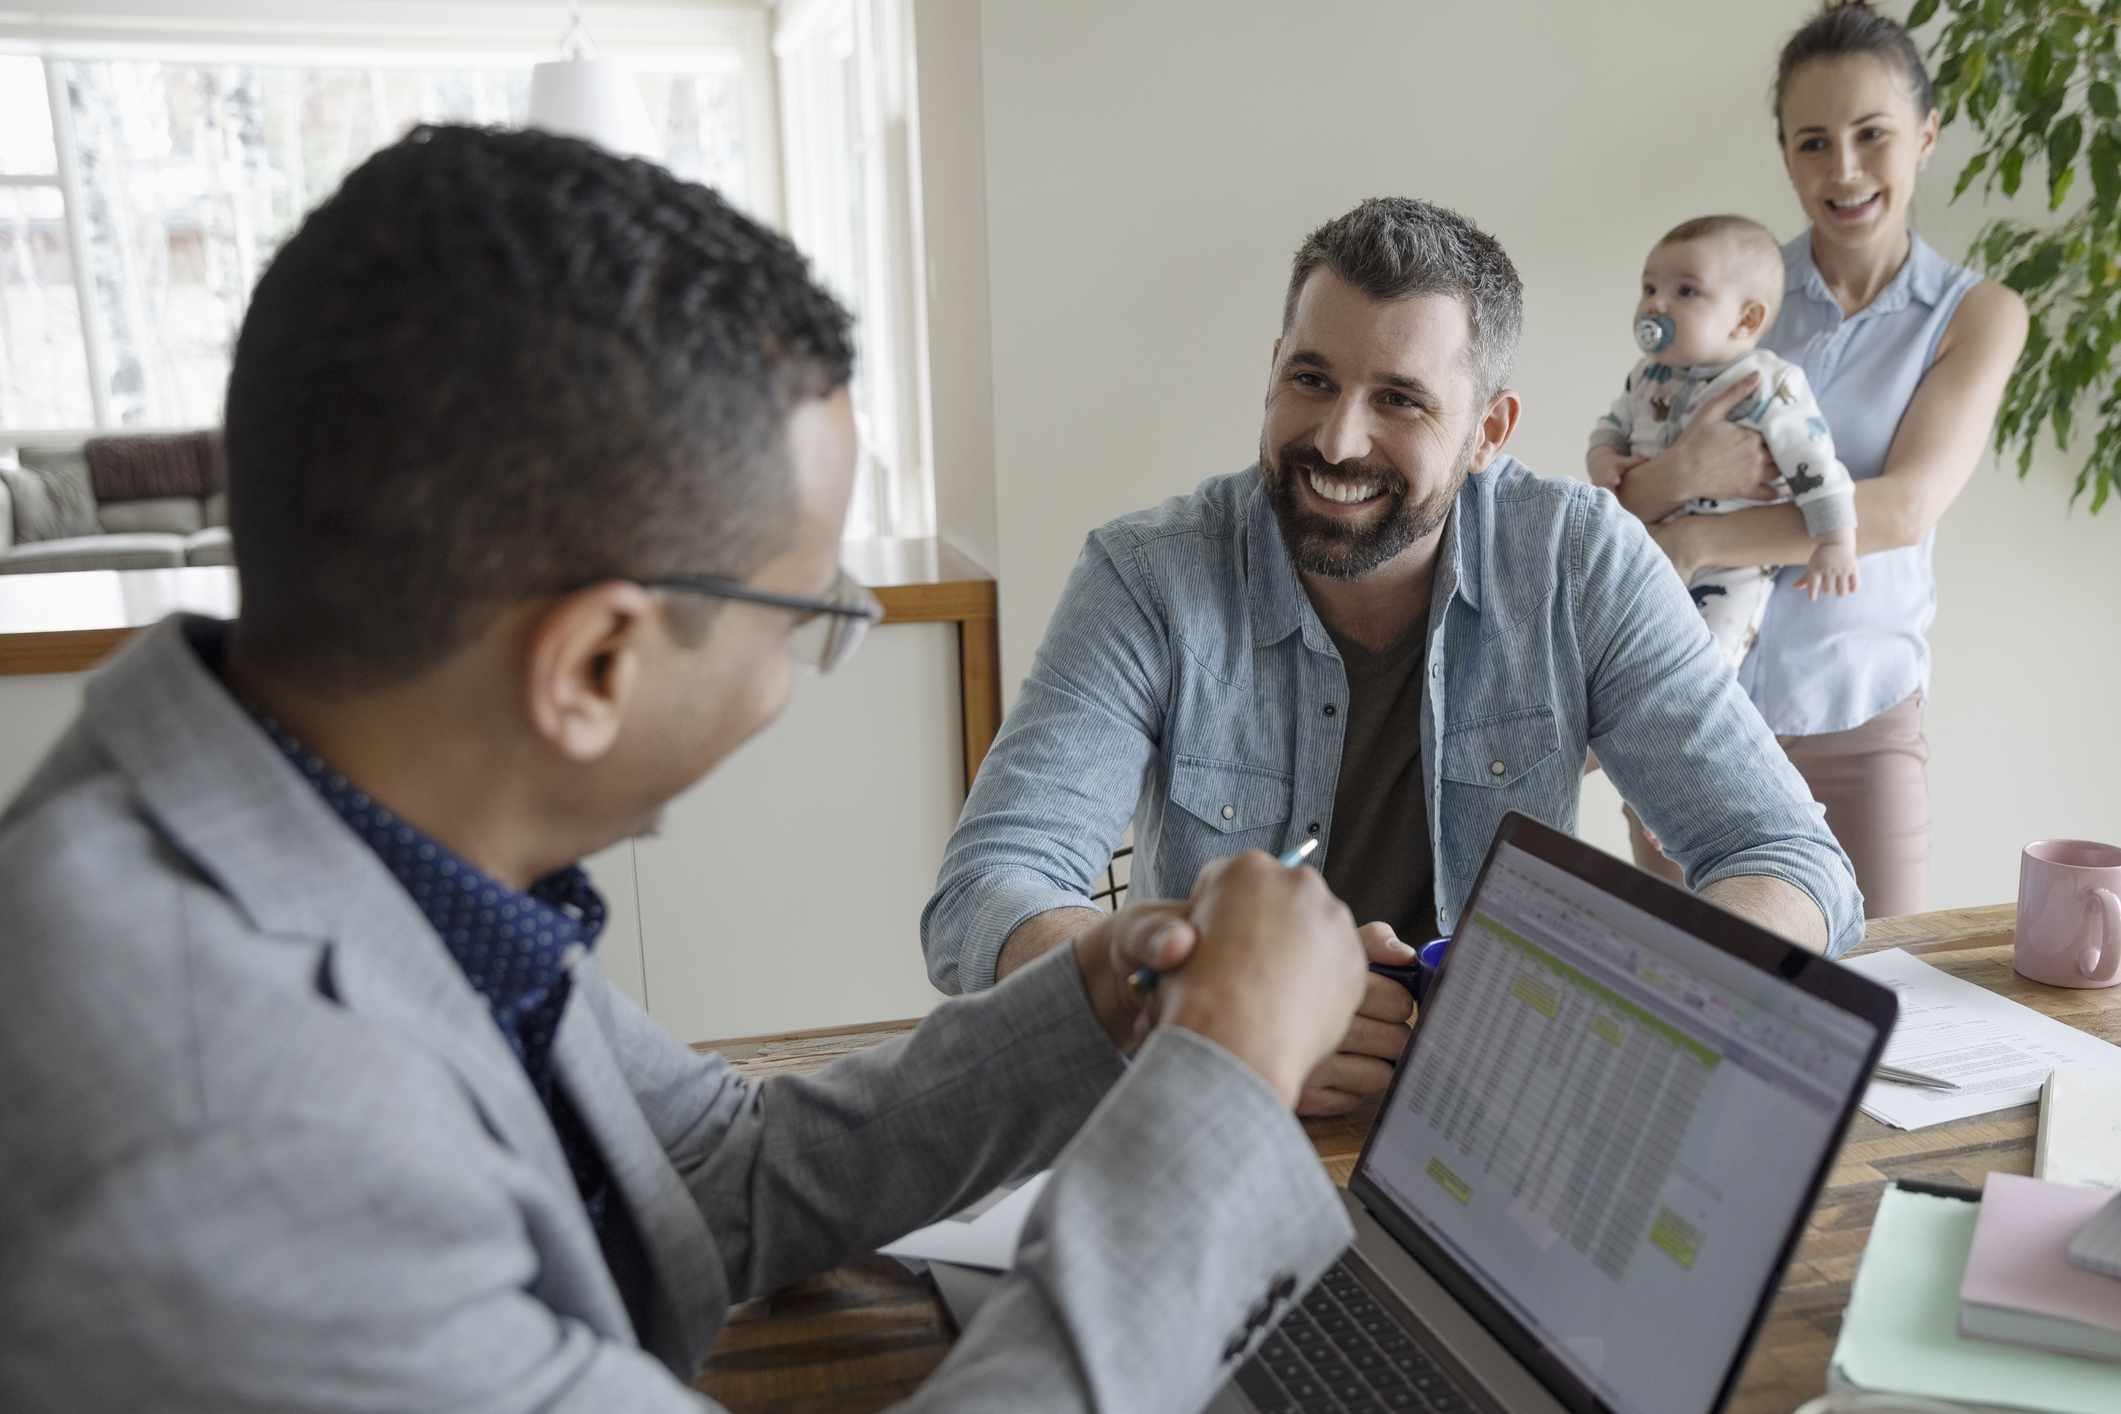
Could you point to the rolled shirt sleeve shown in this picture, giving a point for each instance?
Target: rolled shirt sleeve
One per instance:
(1681, 740)
(1058, 787)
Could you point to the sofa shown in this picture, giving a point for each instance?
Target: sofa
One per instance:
(141, 501)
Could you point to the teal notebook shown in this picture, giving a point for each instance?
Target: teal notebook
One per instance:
(1900, 1333)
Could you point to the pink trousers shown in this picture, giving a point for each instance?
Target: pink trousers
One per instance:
(1874, 782)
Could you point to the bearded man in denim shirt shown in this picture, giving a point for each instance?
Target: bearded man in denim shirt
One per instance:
(1384, 635)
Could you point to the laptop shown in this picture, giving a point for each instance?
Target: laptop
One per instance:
(1595, 1158)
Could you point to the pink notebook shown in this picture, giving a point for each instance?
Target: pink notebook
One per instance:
(2020, 1285)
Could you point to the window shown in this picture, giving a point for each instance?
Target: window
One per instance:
(140, 200)
(152, 160)
(43, 355)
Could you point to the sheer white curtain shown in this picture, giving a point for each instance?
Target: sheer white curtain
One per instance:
(849, 156)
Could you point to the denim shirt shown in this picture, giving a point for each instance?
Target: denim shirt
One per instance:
(1186, 684)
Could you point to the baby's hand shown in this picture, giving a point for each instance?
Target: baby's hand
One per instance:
(1609, 466)
(1832, 567)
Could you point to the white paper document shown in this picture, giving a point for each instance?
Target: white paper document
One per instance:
(985, 1240)
(1997, 1051)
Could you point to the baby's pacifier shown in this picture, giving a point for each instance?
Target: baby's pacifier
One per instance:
(1653, 333)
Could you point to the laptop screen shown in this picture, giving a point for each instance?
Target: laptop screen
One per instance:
(1611, 1126)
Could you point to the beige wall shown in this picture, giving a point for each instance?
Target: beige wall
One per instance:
(1149, 167)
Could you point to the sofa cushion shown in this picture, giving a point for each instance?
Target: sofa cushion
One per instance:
(96, 552)
(51, 495)
(142, 466)
(211, 546)
(167, 515)
(217, 508)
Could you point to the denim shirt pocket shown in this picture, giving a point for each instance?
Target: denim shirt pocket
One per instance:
(1490, 767)
(1495, 753)
(1230, 798)
(1218, 808)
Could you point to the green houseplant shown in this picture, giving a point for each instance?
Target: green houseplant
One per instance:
(2037, 80)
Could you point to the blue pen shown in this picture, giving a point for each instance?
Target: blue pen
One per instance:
(1144, 978)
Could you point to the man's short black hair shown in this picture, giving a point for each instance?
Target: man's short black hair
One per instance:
(496, 365)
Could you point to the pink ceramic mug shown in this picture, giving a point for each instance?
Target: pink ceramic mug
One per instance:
(2069, 914)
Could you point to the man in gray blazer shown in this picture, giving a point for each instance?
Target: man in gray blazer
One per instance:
(538, 466)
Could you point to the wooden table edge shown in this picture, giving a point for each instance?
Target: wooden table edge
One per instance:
(59, 650)
(962, 593)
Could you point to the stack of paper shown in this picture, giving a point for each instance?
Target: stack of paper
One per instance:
(2020, 1285)
(2080, 1128)
(1901, 1331)
(986, 1237)
(1998, 1052)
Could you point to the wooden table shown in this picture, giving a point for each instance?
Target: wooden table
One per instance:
(859, 1337)
(69, 621)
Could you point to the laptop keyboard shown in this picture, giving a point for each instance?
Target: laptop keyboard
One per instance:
(1341, 1349)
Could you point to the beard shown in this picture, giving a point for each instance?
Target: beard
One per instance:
(1321, 545)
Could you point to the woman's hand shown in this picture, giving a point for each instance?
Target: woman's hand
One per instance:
(1714, 457)
(1726, 460)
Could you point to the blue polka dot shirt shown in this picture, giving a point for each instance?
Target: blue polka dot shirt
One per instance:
(516, 949)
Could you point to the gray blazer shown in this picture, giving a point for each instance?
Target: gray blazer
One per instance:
(263, 1148)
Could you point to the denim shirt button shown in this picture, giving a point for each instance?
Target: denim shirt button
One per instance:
(1229, 812)
(1496, 768)
(1331, 710)
(1312, 827)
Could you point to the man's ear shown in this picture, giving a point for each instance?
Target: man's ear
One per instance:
(1496, 425)
(584, 659)
(1752, 318)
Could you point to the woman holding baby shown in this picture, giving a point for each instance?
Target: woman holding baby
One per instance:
(1908, 356)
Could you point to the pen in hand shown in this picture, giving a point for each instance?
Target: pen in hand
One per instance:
(1143, 980)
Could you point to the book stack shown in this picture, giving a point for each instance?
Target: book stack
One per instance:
(2009, 1300)
(2021, 1285)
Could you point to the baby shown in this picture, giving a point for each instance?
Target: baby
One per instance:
(1710, 290)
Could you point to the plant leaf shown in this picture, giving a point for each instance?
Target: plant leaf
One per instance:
(2036, 269)
(2040, 81)
(2058, 187)
(1970, 171)
(2106, 174)
(2062, 145)
(2037, 70)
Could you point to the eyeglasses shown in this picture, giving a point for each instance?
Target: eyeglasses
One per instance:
(831, 628)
